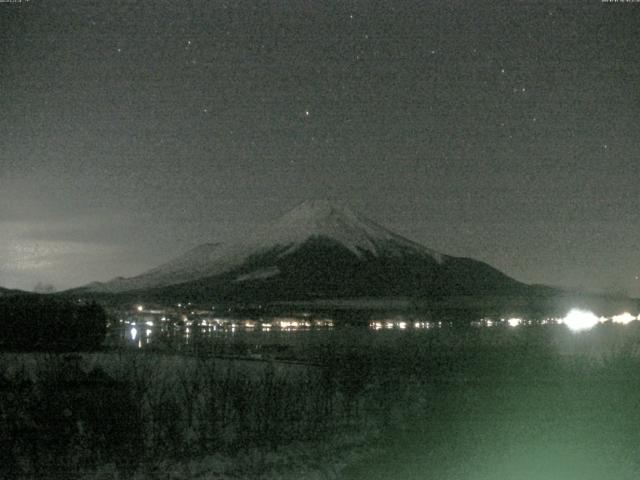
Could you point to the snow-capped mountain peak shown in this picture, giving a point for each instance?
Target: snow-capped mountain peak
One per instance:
(323, 219)
(311, 220)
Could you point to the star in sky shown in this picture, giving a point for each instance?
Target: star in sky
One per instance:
(375, 100)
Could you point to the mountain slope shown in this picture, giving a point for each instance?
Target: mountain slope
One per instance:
(317, 250)
(317, 219)
(190, 266)
(6, 292)
(325, 269)
(321, 219)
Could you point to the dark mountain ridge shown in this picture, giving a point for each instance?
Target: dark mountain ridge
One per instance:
(317, 250)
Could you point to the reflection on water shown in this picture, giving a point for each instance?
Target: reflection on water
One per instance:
(142, 327)
(137, 330)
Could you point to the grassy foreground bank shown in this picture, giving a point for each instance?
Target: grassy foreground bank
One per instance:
(431, 404)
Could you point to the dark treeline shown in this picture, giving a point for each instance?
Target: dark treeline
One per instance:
(44, 323)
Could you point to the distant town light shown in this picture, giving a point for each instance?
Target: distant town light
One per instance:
(134, 333)
(140, 308)
(624, 318)
(514, 322)
(579, 320)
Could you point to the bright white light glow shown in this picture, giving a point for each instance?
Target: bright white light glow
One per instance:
(578, 320)
(140, 308)
(149, 323)
(514, 322)
(134, 333)
(624, 318)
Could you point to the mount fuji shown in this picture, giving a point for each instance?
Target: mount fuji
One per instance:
(317, 250)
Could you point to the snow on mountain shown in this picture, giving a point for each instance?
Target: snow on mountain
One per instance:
(193, 264)
(310, 220)
(320, 218)
(194, 260)
(260, 274)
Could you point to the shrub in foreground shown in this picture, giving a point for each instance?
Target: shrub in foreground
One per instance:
(43, 323)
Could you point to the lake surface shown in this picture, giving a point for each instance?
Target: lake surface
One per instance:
(144, 331)
(282, 336)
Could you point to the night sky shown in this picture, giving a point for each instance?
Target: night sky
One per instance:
(504, 131)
